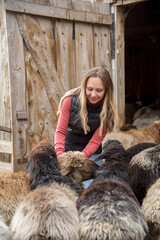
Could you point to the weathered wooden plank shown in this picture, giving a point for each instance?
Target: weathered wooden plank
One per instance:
(42, 118)
(60, 13)
(35, 40)
(83, 49)
(5, 146)
(5, 167)
(42, 2)
(64, 52)
(102, 49)
(119, 65)
(63, 4)
(64, 47)
(125, 2)
(100, 7)
(18, 88)
(5, 129)
(5, 108)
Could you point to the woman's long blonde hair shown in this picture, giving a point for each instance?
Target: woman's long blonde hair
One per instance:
(108, 112)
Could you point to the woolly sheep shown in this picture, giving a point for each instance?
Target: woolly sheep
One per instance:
(13, 189)
(145, 116)
(151, 210)
(77, 167)
(144, 170)
(4, 230)
(130, 152)
(108, 209)
(129, 138)
(49, 212)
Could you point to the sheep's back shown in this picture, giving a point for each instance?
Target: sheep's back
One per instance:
(13, 189)
(143, 170)
(108, 209)
(46, 211)
(151, 209)
(134, 136)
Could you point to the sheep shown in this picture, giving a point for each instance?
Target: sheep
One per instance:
(151, 210)
(77, 167)
(4, 230)
(130, 152)
(48, 212)
(109, 209)
(144, 170)
(13, 189)
(146, 115)
(132, 137)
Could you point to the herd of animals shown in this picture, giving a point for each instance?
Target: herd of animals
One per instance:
(48, 202)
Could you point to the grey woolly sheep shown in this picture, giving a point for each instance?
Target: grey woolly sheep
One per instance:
(49, 212)
(108, 209)
(130, 152)
(151, 210)
(13, 189)
(4, 230)
(129, 138)
(77, 167)
(144, 170)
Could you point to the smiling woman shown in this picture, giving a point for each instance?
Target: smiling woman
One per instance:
(95, 90)
(87, 113)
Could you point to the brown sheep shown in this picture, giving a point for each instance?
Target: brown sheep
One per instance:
(132, 137)
(77, 167)
(151, 210)
(13, 189)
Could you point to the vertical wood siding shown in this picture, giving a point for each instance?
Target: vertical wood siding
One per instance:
(47, 57)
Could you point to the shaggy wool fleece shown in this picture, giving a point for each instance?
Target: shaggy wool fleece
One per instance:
(151, 210)
(13, 189)
(134, 136)
(47, 211)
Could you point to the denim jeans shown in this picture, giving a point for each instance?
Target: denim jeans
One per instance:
(88, 182)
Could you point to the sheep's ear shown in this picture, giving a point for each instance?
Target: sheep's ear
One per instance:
(64, 172)
(100, 157)
(28, 166)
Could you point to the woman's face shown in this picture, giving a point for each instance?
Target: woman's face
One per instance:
(95, 90)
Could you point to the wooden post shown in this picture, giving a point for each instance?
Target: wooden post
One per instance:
(118, 67)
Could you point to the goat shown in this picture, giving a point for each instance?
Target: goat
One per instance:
(4, 230)
(129, 138)
(151, 210)
(13, 189)
(109, 209)
(144, 170)
(49, 212)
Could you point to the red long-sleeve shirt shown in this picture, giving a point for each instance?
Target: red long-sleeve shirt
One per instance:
(60, 134)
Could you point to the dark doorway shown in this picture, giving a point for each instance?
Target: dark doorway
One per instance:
(142, 52)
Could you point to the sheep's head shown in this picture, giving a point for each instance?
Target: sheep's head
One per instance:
(76, 166)
(115, 164)
(42, 163)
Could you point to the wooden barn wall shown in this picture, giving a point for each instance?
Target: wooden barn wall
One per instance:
(47, 57)
(5, 111)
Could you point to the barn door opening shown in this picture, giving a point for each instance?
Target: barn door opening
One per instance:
(142, 56)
